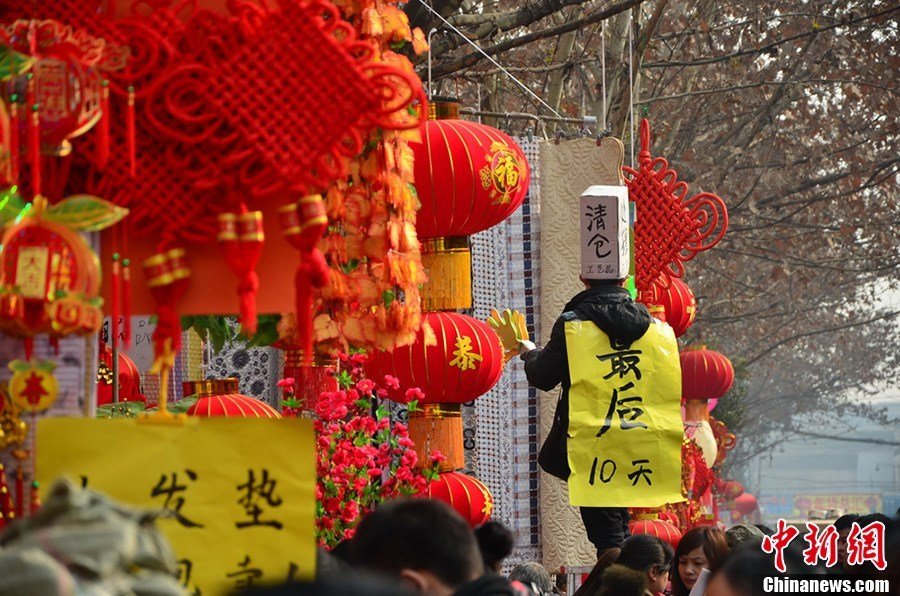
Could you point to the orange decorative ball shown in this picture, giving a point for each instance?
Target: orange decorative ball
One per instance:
(467, 495)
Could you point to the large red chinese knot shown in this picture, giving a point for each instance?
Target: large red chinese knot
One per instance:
(454, 359)
(670, 227)
(467, 495)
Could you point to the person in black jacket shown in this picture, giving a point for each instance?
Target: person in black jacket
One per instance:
(610, 307)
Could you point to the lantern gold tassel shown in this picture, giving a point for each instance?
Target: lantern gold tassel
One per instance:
(438, 427)
(448, 265)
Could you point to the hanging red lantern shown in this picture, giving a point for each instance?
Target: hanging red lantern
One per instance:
(454, 359)
(732, 490)
(650, 523)
(129, 380)
(746, 504)
(469, 177)
(221, 397)
(49, 276)
(677, 301)
(705, 374)
(467, 495)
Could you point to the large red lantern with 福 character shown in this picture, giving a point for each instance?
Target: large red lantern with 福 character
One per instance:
(468, 177)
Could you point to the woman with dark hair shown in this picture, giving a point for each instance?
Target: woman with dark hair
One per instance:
(642, 569)
(699, 549)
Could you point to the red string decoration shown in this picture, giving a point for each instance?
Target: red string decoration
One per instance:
(303, 224)
(241, 239)
(670, 229)
(167, 276)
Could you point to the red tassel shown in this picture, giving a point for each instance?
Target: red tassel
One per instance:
(34, 143)
(28, 343)
(14, 143)
(126, 300)
(115, 297)
(241, 239)
(20, 492)
(131, 135)
(102, 155)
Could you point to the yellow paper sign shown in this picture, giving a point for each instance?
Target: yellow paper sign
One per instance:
(242, 491)
(625, 427)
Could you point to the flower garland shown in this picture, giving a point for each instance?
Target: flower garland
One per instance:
(372, 299)
(362, 456)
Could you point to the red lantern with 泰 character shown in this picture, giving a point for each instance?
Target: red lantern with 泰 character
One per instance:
(467, 495)
(454, 360)
(469, 177)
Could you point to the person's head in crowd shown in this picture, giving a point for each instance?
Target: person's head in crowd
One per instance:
(533, 576)
(843, 524)
(651, 555)
(740, 533)
(766, 530)
(593, 581)
(737, 573)
(863, 521)
(643, 563)
(495, 542)
(422, 542)
(699, 548)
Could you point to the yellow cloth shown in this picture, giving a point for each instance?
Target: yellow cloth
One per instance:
(241, 491)
(625, 427)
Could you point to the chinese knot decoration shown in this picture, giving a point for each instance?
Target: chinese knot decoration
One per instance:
(670, 227)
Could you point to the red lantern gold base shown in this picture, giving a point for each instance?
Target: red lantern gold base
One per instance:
(448, 265)
(438, 427)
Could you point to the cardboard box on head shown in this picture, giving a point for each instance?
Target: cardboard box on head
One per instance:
(603, 223)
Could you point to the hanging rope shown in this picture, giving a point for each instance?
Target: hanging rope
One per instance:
(603, 68)
(486, 55)
(631, 82)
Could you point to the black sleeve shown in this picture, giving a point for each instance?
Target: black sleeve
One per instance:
(548, 367)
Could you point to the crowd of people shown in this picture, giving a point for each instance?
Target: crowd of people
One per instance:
(423, 547)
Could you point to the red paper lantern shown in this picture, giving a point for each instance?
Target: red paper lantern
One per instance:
(733, 489)
(649, 523)
(129, 378)
(220, 397)
(746, 504)
(677, 301)
(469, 176)
(705, 374)
(467, 495)
(454, 359)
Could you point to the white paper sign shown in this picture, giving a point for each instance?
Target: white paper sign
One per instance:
(604, 233)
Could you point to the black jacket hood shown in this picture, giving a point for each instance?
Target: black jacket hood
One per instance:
(613, 311)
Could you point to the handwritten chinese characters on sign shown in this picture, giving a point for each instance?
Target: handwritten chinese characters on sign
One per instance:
(604, 232)
(239, 492)
(625, 427)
